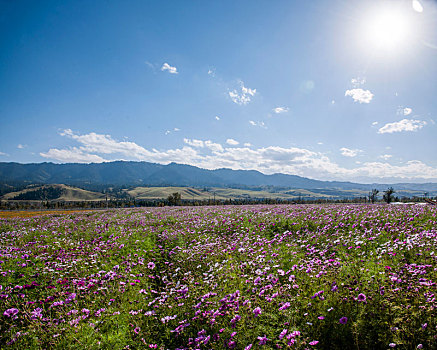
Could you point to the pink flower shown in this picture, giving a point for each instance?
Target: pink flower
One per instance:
(314, 342)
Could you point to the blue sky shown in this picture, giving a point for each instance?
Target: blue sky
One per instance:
(337, 90)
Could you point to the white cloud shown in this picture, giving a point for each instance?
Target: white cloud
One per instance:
(243, 97)
(217, 117)
(261, 124)
(194, 143)
(404, 111)
(360, 95)
(403, 125)
(167, 132)
(375, 123)
(170, 69)
(176, 129)
(407, 111)
(272, 159)
(232, 142)
(211, 72)
(320, 143)
(20, 146)
(72, 155)
(4, 154)
(215, 147)
(247, 144)
(385, 156)
(279, 110)
(349, 152)
(358, 81)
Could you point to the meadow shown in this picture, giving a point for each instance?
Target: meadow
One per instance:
(234, 277)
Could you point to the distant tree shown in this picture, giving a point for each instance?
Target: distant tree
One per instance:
(373, 195)
(174, 198)
(388, 195)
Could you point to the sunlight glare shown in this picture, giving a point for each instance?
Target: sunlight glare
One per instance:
(387, 29)
(417, 6)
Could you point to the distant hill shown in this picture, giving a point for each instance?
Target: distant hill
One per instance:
(142, 174)
(54, 192)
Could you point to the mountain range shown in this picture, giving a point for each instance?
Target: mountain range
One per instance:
(132, 174)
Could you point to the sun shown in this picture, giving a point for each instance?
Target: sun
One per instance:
(386, 29)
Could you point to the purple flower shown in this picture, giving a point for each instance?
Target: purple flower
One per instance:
(343, 320)
(137, 330)
(257, 311)
(420, 346)
(285, 306)
(283, 333)
(392, 345)
(11, 312)
(248, 347)
(361, 297)
(424, 325)
(314, 342)
(37, 313)
(262, 340)
(70, 298)
(151, 265)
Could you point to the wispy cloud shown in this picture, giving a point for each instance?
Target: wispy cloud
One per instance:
(279, 110)
(211, 72)
(217, 117)
(232, 142)
(403, 125)
(358, 81)
(360, 95)
(4, 154)
(385, 156)
(272, 159)
(170, 69)
(347, 152)
(261, 124)
(194, 143)
(20, 146)
(243, 95)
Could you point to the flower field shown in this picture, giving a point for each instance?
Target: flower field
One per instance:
(246, 277)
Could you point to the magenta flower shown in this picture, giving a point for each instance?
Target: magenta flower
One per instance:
(314, 342)
(257, 311)
(151, 265)
(343, 320)
(11, 313)
(262, 340)
(361, 297)
(285, 306)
